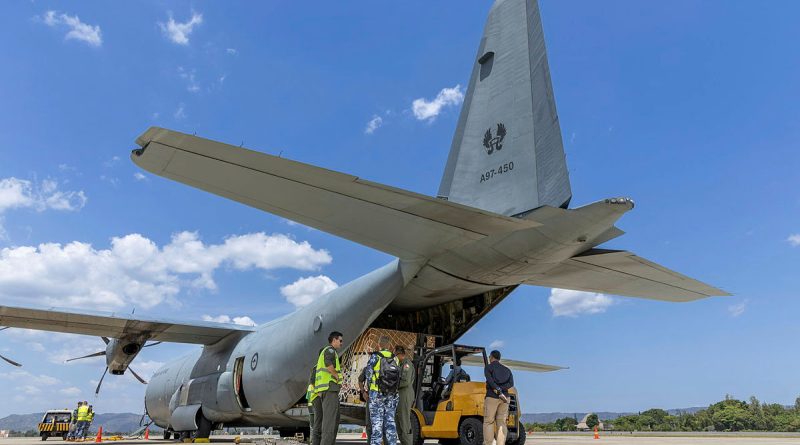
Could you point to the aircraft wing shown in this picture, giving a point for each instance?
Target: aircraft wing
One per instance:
(619, 272)
(401, 223)
(516, 365)
(116, 325)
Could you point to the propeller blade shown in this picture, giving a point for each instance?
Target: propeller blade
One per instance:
(96, 354)
(152, 344)
(138, 377)
(106, 340)
(10, 361)
(97, 391)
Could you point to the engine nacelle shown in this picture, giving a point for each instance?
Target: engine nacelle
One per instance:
(120, 352)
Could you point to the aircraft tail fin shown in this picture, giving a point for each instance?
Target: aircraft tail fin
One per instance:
(507, 154)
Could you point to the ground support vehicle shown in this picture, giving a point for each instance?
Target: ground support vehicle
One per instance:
(55, 423)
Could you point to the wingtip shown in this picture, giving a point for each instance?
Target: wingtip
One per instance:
(147, 136)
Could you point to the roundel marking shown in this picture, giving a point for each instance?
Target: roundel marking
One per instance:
(254, 362)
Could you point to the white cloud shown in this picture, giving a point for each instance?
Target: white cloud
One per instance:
(571, 303)
(497, 344)
(113, 180)
(30, 379)
(21, 193)
(794, 239)
(180, 113)
(192, 85)
(373, 124)
(145, 368)
(134, 271)
(737, 309)
(78, 30)
(232, 51)
(139, 176)
(305, 290)
(428, 110)
(179, 32)
(243, 320)
(71, 391)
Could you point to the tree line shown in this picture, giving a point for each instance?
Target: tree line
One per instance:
(726, 415)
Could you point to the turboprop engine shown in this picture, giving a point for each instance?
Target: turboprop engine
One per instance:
(119, 354)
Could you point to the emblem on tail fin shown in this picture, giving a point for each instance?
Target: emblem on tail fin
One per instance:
(496, 142)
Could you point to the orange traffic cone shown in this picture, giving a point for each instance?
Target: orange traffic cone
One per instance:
(596, 434)
(147, 433)
(99, 438)
(364, 433)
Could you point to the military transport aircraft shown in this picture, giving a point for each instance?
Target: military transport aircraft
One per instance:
(500, 220)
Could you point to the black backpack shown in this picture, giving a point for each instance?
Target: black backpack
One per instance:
(389, 375)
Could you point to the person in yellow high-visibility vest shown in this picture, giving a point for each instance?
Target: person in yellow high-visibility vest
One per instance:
(327, 383)
(310, 396)
(73, 423)
(89, 420)
(83, 415)
(383, 373)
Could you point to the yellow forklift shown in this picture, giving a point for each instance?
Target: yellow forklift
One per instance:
(453, 413)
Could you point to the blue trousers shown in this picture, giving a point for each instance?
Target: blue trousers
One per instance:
(382, 409)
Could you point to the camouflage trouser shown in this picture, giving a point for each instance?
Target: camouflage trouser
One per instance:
(382, 409)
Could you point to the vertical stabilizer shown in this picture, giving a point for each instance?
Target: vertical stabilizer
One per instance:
(507, 154)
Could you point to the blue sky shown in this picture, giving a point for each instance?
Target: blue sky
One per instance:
(689, 107)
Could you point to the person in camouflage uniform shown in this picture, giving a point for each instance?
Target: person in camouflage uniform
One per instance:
(382, 407)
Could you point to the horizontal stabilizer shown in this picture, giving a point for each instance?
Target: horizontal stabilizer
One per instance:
(404, 224)
(117, 326)
(516, 365)
(618, 272)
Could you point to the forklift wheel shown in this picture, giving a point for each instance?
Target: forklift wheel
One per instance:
(471, 431)
(416, 431)
(521, 435)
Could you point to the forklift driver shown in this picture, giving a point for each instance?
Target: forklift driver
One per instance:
(457, 374)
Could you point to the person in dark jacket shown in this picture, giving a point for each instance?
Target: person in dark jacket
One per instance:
(495, 407)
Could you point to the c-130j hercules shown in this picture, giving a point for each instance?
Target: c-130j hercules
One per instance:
(500, 220)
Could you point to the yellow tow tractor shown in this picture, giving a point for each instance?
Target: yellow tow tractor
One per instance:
(454, 414)
(55, 423)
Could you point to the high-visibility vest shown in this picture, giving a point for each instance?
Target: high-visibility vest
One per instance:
(310, 394)
(376, 369)
(323, 377)
(90, 416)
(83, 413)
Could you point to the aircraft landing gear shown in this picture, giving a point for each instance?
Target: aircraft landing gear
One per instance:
(203, 428)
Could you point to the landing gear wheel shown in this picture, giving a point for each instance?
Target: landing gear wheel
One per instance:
(416, 431)
(471, 431)
(167, 434)
(203, 427)
(521, 436)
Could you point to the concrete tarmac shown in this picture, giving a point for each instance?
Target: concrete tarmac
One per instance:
(572, 439)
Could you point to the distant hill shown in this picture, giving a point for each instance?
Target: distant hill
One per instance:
(603, 415)
(111, 422)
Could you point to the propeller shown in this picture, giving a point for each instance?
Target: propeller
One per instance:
(106, 340)
(8, 360)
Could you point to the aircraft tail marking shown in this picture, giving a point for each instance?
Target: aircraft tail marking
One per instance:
(507, 154)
